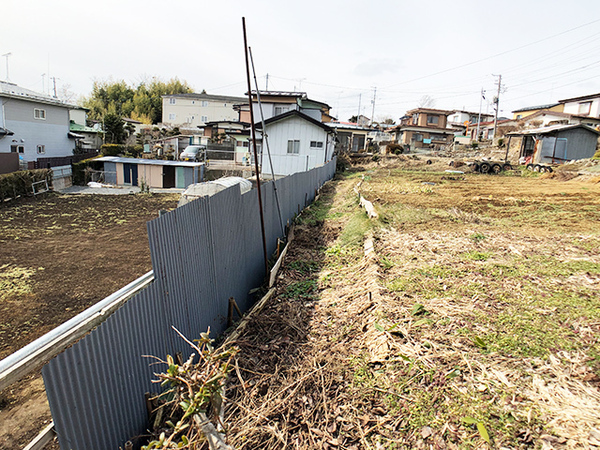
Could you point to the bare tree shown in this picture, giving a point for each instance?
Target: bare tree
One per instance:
(426, 102)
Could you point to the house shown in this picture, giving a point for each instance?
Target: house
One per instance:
(587, 105)
(152, 172)
(463, 121)
(529, 110)
(424, 128)
(233, 136)
(350, 137)
(194, 110)
(34, 125)
(297, 142)
(554, 144)
(275, 103)
(547, 117)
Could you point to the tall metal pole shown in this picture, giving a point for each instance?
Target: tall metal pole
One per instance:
(358, 116)
(253, 128)
(374, 97)
(479, 118)
(497, 101)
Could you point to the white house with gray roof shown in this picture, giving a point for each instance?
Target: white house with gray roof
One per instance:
(33, 125)
(195, 110)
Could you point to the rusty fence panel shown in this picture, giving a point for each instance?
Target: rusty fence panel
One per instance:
(202, 253)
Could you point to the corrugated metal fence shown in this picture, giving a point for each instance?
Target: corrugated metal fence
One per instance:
(202, 254)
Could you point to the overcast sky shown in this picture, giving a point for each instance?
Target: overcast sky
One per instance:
(336, 51)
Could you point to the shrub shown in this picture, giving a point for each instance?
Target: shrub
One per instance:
(19, 183)
(111, 149)
(396, 149)
(81, 170)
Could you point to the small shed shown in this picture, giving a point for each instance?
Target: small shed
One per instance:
(154, 173)
(556, 144)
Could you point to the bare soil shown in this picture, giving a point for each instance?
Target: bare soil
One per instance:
(60, 254)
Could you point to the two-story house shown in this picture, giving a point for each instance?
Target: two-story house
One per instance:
(424, 128)
(37, 125)
(196, 110)
(587, 105)
(275, 103)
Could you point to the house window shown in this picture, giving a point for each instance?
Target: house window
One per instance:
(17, 149)
(415, 119)
(171, 101)
(437, 137)
(418, 137)
(585, 107)
(204, 103)
(39, 114)
(519, 116)
(242, 144)
(41, 149)
(433, 120)
(316, 144)
(204, 119)
(293, 147)
(277, 110)
(172, 116)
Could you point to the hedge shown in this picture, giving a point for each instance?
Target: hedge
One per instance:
(79, 172)
(15, 184)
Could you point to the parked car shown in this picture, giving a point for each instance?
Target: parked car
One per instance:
(193, 153)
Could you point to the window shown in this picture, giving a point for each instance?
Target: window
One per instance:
(415, 119)
(437, 137)
(172, 116)
(39, 114)
(41, 149)
(585, 107)
(316, 144)
(519, 116)
(277, 110)
(17, 149)
(433, 120)
(293, 147)
(204, 103)
(242, 143)
(204, 119)
(171, 101)
(418, 137)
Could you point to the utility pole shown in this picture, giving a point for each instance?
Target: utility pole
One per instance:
(373, 111)
(358, 115)
(497, 106)
(6, 55)
(479, 118)
(54, 80)
(267, 83)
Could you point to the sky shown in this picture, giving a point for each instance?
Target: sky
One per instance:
(344, 53)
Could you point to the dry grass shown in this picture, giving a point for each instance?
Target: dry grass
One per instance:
(467, 316)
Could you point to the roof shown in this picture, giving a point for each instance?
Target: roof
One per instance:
(294, 113)
(552, 129)
(576, 99)
(149, 162)
(280, 94)
(13, 91)
(5, 132)
(531, 108)
(544, 112)
(73, 126)
(349, 126)
(426, 110)
(205, 96)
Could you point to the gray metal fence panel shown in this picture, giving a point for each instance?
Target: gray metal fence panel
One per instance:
(202, 253)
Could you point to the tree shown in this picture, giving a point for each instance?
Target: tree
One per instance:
(142, 102)
(426, 102)
(114, 129)
(353, 119)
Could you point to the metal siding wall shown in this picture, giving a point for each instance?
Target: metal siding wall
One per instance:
(202, 254)
(581, 143)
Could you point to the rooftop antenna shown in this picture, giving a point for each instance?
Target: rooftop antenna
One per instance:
(6, 55)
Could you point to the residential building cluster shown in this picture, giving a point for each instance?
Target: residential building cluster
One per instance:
(294, 132)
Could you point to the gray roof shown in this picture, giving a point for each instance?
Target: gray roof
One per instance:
(529, 108)
(149, 162)
(13, 91)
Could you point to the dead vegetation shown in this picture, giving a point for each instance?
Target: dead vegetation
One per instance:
(466, 321)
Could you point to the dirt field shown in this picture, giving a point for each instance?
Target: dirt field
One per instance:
(60, 254)
(465, 316)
